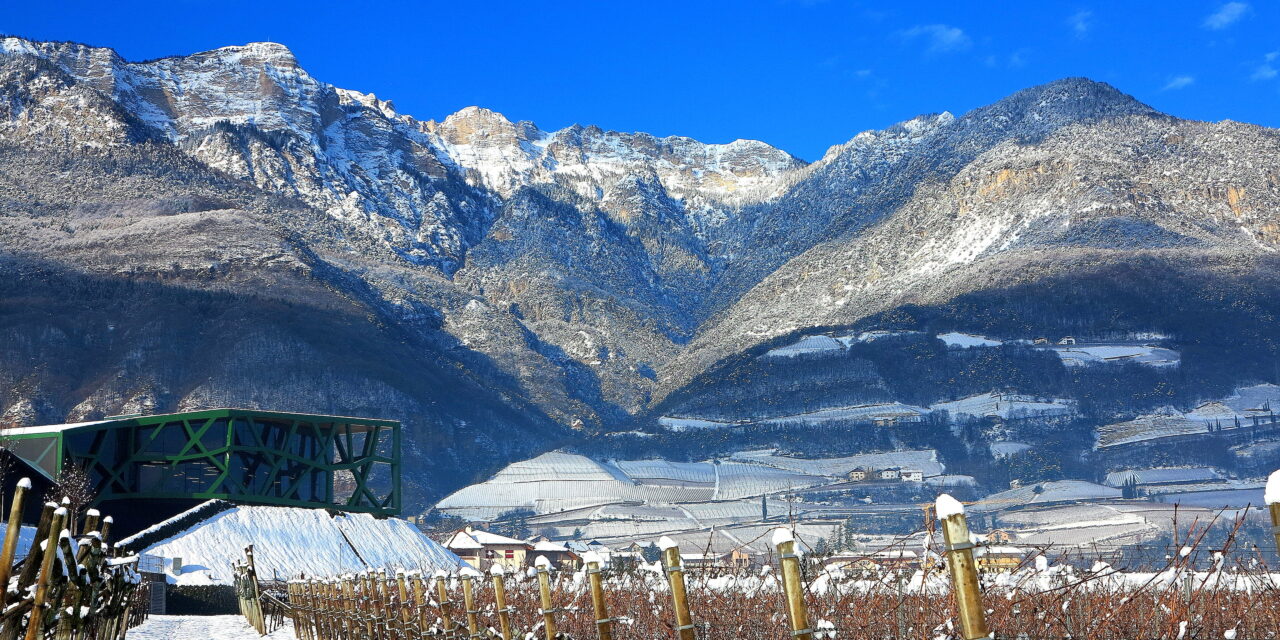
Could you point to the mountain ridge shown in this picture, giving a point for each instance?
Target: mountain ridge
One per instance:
(583, 275)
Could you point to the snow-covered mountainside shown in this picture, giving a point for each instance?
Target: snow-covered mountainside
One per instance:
(299, 245)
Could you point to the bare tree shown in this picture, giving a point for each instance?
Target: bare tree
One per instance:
(73, 489)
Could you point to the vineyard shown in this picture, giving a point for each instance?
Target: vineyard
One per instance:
(1222, 592)
(67, 586)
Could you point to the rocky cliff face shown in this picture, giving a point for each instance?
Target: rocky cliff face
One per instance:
(488, 280)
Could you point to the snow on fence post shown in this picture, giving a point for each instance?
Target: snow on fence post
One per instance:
(469, 600)
(679, 598)
(11, 535)
(1272, 497)
(36, 624)
(500, 601)
(543, 568)
(784, 541)
(604, 624)
(964, 572)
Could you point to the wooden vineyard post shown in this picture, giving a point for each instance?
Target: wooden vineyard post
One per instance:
(500, 600)
(34, 627)
(543, 568)
(964, 572)
(420, 601)
(604, 624)
(11, 534)
(679, 598)
(469, 600)
(793, 588)
(1272, 498)
(404, 604)
(350, 609)
(255, 603)
(442, 593)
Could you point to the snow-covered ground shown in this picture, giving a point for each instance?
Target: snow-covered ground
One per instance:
(1238, 409)
(203, 628)
(806, 345)
(1082, 354)
(967, 340)
(926, 460)
(1163, 475)
(1005, 405)
(291, 541)
(863, 412)
(1004, 449)
(563, 482)
(687, 424)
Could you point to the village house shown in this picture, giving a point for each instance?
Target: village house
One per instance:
(858, 475)
(581, 548)
(998, 536)
(559, 555)
(887, 559)
(482, 549)
(889, 474)
(998, 558)
(732, 559)
(912, 475)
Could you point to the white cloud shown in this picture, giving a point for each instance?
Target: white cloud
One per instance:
(1265, 71)
(939, 38)
(1179, 82)
(1226, 15)
(1081, 22)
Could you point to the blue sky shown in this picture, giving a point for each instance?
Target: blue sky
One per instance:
(799, 74)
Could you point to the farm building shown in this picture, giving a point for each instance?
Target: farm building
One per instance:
(146, 468)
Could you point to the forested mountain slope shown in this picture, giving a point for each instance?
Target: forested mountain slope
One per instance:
(224, 228)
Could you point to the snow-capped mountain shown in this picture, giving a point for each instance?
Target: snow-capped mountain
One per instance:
(481, 277)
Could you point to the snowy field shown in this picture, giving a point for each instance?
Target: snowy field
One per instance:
(203, 628)
(1236, 409)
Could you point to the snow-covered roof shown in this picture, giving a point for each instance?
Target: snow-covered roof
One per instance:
(547, 545)
(51, 428)
(998, 550)
(290, 541)
(488, 538)
(462, 541)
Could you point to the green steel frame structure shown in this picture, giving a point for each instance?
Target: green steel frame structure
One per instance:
(241, 455)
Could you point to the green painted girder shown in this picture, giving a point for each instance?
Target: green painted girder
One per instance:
(275, 474)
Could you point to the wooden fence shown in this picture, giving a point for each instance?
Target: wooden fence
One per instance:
(67, 587)
(374, 605)
(793, 599)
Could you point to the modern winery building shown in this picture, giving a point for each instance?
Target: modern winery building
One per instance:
(145, 468)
